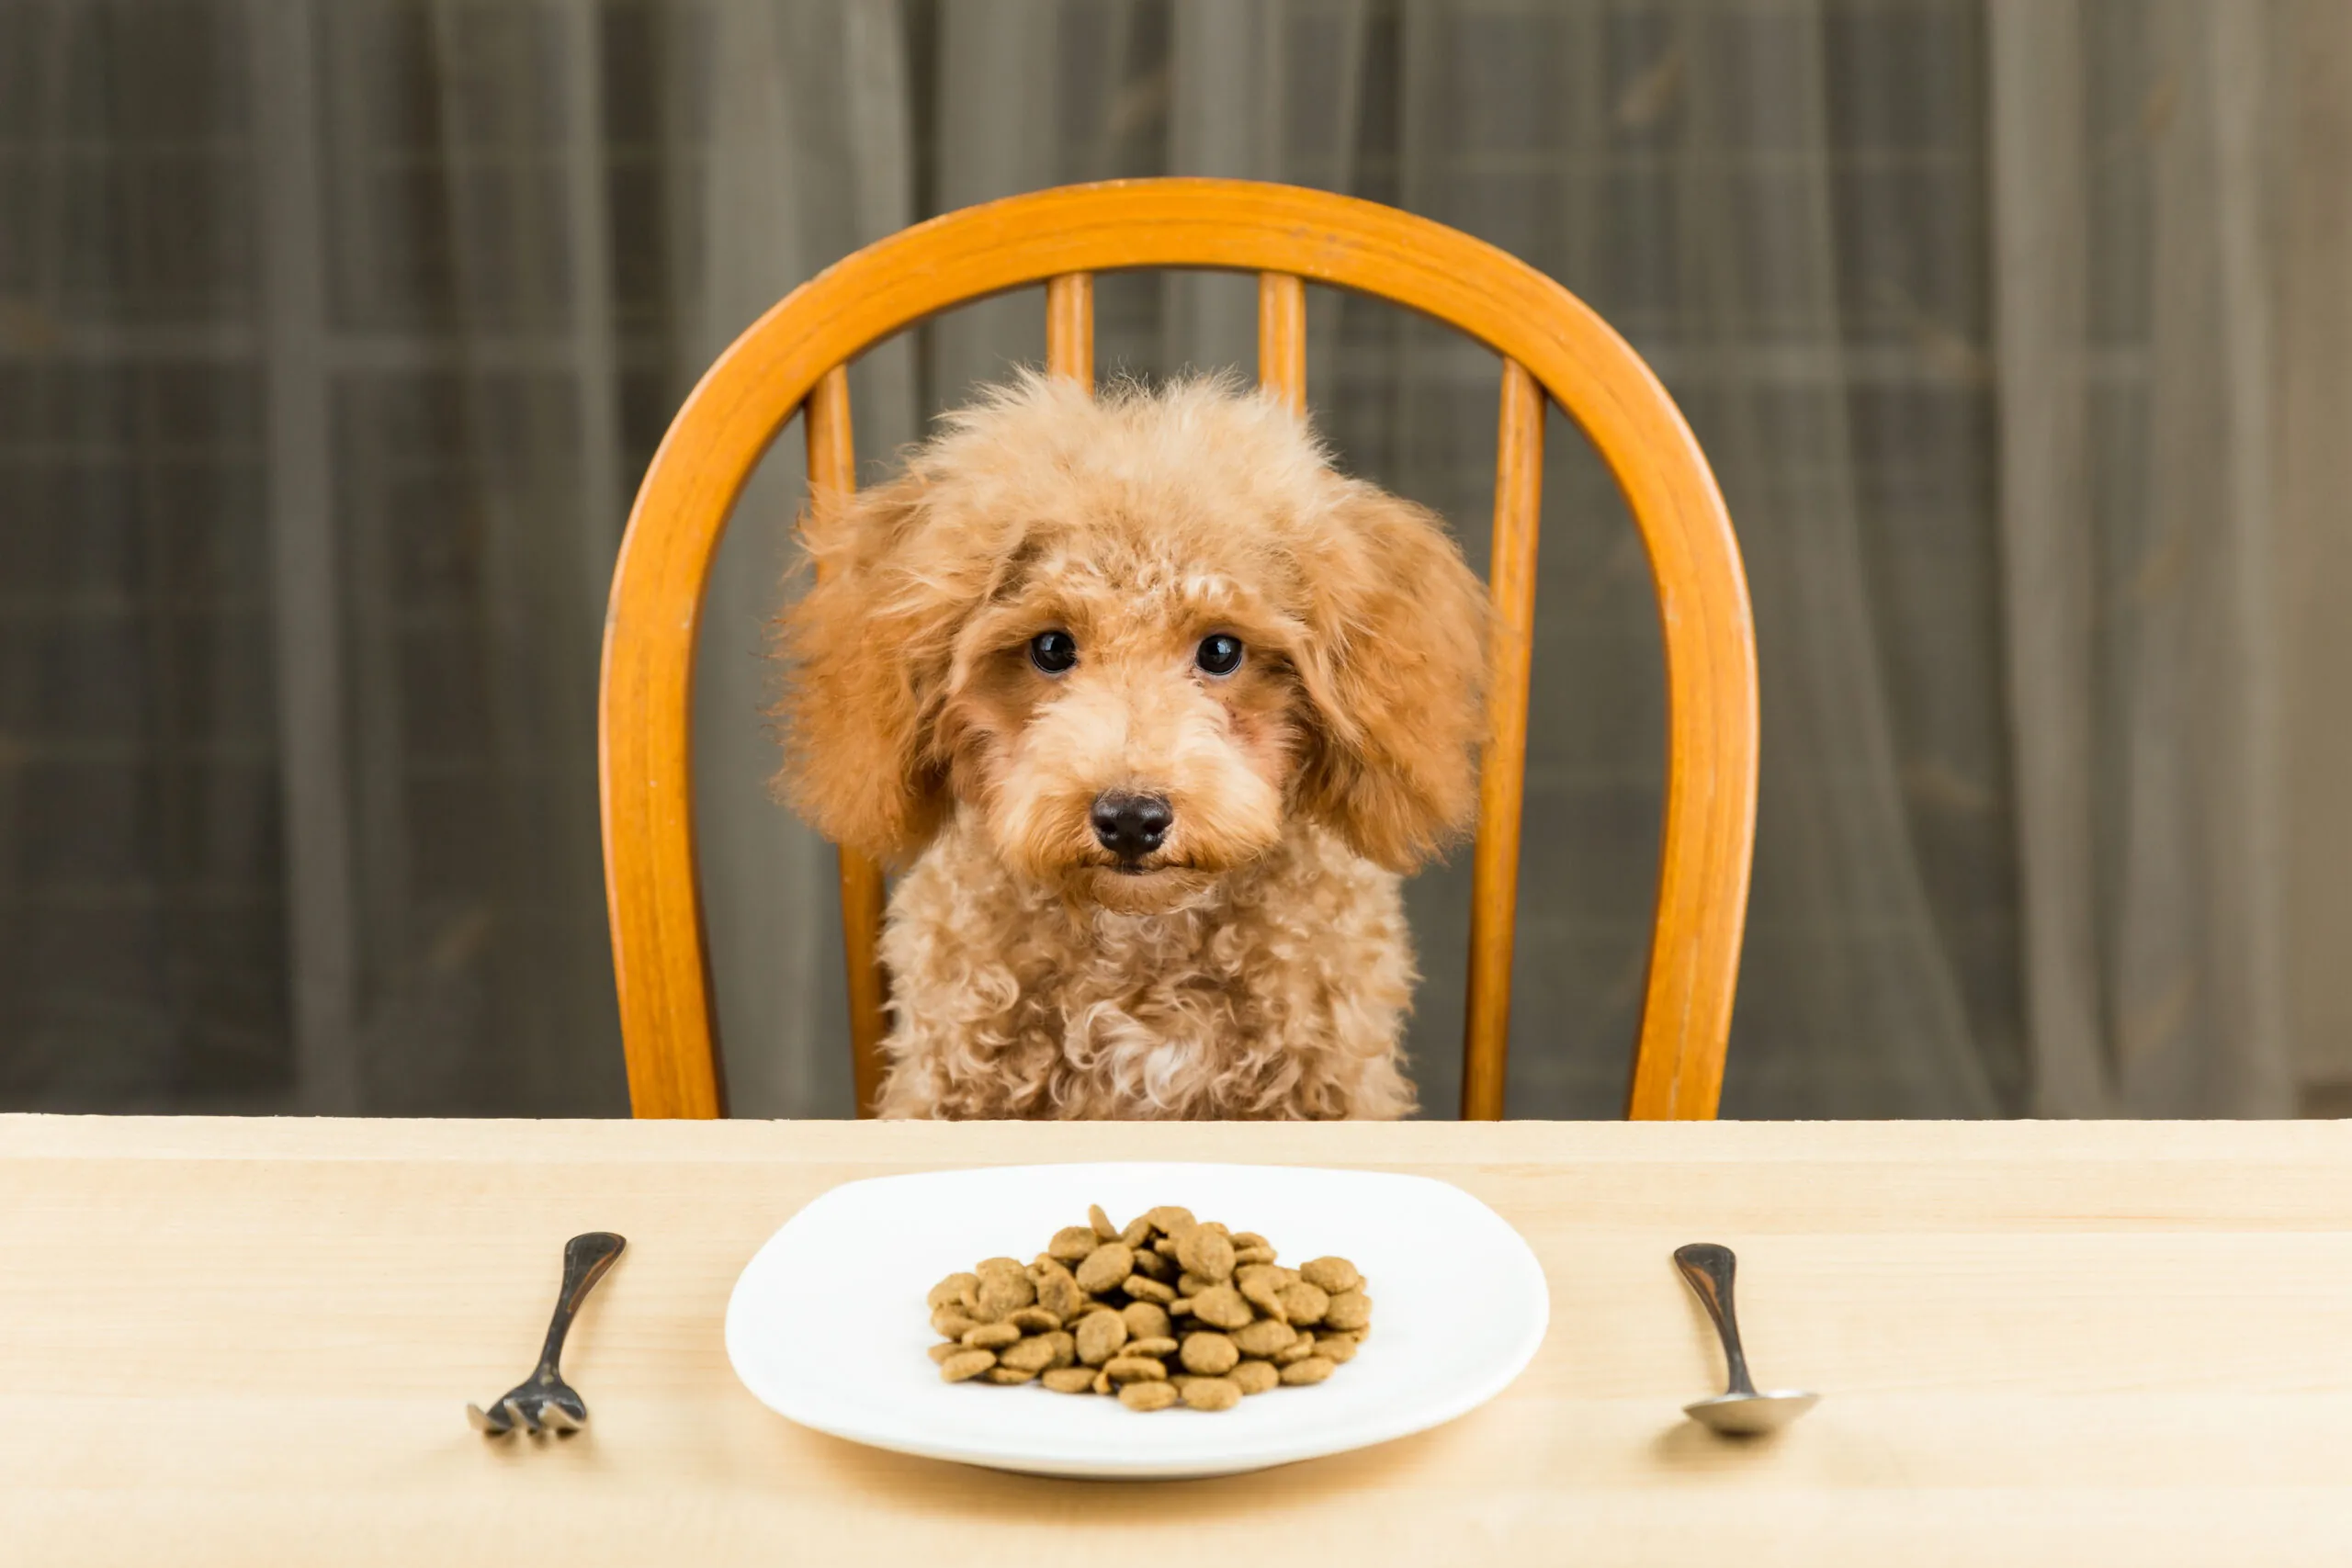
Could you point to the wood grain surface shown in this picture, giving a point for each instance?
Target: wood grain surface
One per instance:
(240, 1342)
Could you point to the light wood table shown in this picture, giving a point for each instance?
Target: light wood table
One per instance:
(228, 1342)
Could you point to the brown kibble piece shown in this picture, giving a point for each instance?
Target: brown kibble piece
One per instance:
(1069, 1380)
(1036, 1319)
(1000, 1373)
(1029, 1355)
(965, 1365)
(1163, 1247)
(1004, 1293)
(1298, 1349)
(1313, 1370)
(1249, 1238)
(1102, 1222)
(1105, 1268)
(1152, 1265)
(1153, 1346)
(991, 1336)
(1254, 1377)
(949, 1291)
(1330, 1275)
(1072, 1242)
(1206, 1253)
(1138, 1232)
(1349, 1310)
(1147, 1320)
(1267, 1297)
(1170, 1218)
(1059, 1294)
(1221, 1306)
(1210, 1394)
(988, 1266)
(1147, 1395)
(1253, 1255)
(1339, 1348)
(941, 1352)
(1181, 1307)
(1244, 1273)
(949, 1323)
(1134, 1368)
(1211, 1355)
(1303, 1303)
(1099, 1335)
(1264, 1337)
(1065, 1347)
(1189, 1284)
(1143, 1290)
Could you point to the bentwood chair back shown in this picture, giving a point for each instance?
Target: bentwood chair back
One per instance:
(793, 359)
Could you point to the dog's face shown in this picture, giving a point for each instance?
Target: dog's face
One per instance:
(1133, 638)
(1124, 725)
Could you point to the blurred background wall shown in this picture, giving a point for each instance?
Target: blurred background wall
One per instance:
(335, 334)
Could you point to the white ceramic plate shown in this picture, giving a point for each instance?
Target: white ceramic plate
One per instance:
(827, 1326)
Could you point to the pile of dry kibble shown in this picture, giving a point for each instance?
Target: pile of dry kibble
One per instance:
(1168, 1309)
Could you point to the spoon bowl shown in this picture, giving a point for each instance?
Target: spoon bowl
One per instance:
(1751, 1414)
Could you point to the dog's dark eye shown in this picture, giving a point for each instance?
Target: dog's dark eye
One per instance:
(1218, 654)
(1054, 651)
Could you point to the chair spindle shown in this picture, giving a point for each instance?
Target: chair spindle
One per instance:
(1281, 336)
(1502, 774)
(1069, 327)
(832, 467)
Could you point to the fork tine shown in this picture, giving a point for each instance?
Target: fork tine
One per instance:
(522, 1415)
(557, 1418)
(492, 1426)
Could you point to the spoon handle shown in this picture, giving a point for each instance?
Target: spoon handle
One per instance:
(1708, 1267)
(586, 1259)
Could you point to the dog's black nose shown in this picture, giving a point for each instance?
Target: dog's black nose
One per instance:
(1131, 826)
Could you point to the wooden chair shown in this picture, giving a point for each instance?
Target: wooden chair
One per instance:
(793, 359)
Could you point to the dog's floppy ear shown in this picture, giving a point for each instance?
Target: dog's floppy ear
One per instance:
(868, 649)
(1394, 667)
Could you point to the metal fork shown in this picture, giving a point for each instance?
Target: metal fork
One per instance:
(544, 1401)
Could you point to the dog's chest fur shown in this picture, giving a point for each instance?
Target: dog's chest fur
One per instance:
(1281, 995)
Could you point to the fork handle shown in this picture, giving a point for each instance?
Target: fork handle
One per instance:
(586, 1259)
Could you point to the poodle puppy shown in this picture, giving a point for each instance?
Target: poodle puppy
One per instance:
(1151, 708)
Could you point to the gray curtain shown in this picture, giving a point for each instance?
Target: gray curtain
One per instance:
(333, 337)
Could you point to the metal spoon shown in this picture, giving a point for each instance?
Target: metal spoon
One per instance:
(1741, 1410)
